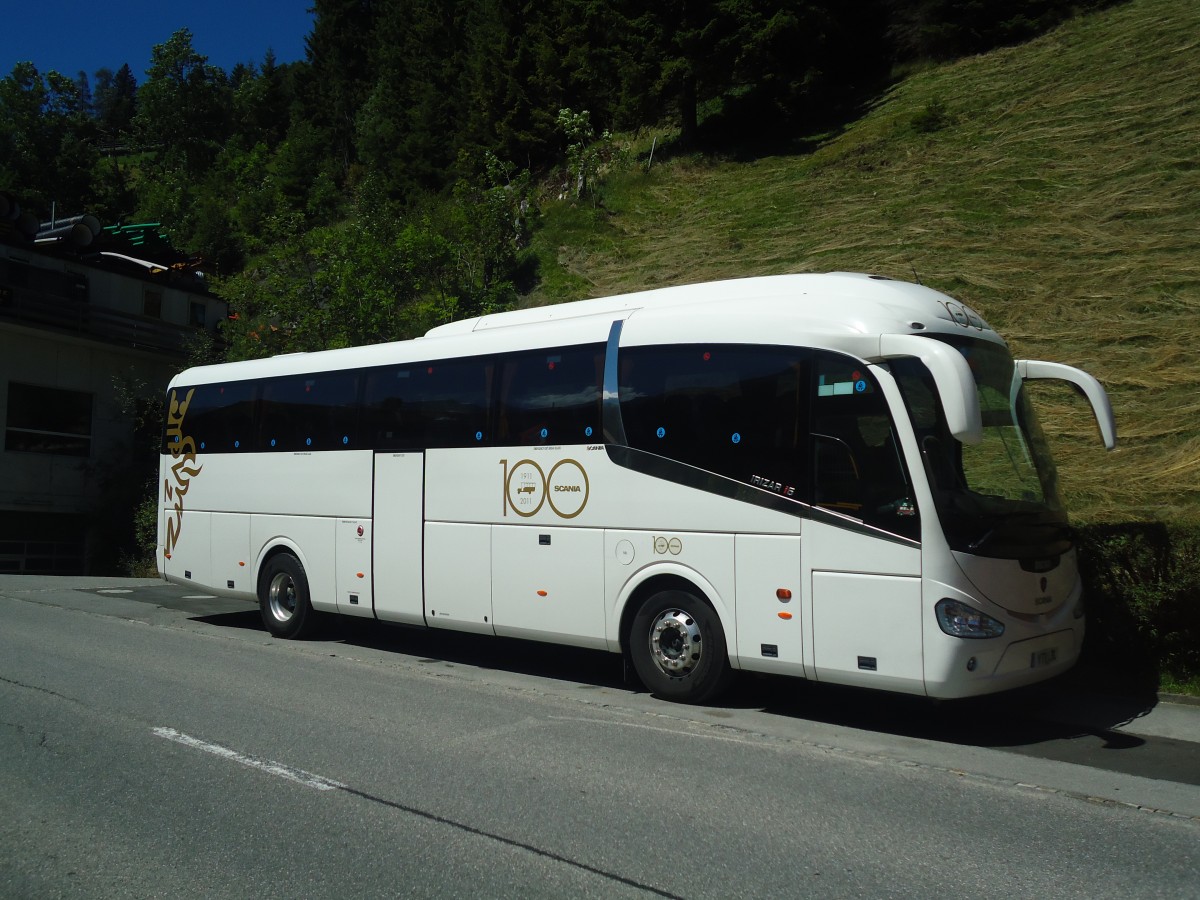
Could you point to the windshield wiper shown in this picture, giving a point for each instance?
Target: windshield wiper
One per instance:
(1058, 530)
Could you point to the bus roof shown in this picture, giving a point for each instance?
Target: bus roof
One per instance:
(837, 297)
(835, 310)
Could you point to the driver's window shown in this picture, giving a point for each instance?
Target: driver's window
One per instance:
(858, 469)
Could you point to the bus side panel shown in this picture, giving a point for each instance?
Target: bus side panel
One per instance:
(536, 486)
(159, 559)
(354, 595)
(232, 567)
(398, 548)
(329, 483)
(310, 539)
(864, 602)
(867, 630)
(458, 576)
(190, 561)
(770, 621)
(549, 583)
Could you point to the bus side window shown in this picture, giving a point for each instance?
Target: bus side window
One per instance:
(730, 409)
(386, 394)
(178, 429)
(440, 403)
(220, 417)
(858, 469)
(308, 412)
(551, 396)
(838, 481)
(451, 402)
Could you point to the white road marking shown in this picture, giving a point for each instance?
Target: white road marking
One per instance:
(265, 765)
(200, 597)
(114, 591)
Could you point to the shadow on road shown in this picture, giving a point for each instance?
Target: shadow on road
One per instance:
(1058, 720)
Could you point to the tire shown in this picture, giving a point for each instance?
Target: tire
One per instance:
(283, 598)
(678, 648)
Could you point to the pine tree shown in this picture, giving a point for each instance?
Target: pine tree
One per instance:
(115, 103)
(338, 53)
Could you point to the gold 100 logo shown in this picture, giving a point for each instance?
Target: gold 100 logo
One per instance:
(527, 488)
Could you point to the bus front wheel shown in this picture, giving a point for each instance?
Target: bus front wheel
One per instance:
(283, 598)
(678, 648)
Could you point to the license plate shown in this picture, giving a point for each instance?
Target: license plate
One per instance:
(1039, 658)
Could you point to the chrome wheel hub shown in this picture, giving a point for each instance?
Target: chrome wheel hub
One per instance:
(675, 642)
(281, 596)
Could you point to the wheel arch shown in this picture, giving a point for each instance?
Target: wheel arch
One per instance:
(269, 551)
(672, 578)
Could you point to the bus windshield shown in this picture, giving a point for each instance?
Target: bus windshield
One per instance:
(999, 497)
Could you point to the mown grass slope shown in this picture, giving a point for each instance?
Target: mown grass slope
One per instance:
(1053, 186)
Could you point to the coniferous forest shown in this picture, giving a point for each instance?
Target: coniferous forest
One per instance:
(392, 179)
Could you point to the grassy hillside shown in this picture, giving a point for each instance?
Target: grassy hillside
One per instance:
(1054, 186)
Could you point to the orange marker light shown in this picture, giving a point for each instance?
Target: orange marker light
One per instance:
(360, 574)
(240, 563)
(785, 615)
(784, 594)
(541, 593)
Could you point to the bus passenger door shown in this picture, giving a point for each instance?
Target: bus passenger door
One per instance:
(770, 636)
(399, 503)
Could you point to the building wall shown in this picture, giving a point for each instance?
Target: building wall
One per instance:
(57, 493)
(48, 497)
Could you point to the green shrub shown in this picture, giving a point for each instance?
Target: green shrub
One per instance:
(1142, 584)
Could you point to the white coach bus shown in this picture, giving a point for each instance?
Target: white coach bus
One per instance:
(836, 477)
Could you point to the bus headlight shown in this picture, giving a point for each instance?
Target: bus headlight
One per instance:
(959, 620)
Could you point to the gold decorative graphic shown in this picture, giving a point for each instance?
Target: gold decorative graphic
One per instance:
(568, 488)
(527, 488)
(664, 545)
(183, 450)
(524, 487)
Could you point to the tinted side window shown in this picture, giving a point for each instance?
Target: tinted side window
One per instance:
(551, 396)
(736, 410)
(221, 416)
(434, 404)
(309, 412)
(858, 469)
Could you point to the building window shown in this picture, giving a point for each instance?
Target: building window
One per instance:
(152, 303)
(15, 274)
(198, 311)
(48, 420)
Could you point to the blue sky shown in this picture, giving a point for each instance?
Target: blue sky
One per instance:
(71, 36)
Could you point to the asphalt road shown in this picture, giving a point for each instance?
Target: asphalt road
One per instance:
(157, 743)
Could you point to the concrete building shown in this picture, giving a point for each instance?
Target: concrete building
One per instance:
(78, 325)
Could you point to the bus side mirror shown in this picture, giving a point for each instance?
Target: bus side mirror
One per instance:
(951, 374)
(1030, 369)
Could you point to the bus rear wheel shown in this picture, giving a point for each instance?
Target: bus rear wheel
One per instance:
(283, 598)
(678, 648)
